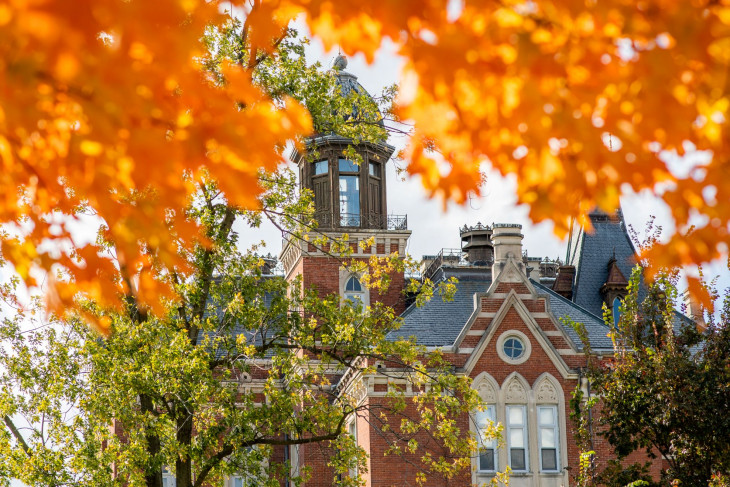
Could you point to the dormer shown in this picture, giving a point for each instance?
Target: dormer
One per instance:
(614, 290)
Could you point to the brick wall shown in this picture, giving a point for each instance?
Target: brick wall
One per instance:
(550, 353)
(323, 274)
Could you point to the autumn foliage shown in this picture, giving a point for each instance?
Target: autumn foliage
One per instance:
(103, 106)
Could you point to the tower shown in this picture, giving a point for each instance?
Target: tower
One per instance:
(349, 198)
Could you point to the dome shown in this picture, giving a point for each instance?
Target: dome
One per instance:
(347, 83)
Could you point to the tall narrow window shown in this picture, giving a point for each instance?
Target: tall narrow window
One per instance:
(349, 193)
(353, 291)
(347, 165)
(616, 310)
(547, 419)
(320, 167)
(487, 447)
(374, 169)
(517, 438)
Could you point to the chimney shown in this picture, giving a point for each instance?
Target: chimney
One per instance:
(694, 310)
(563, 284)
(507, 240)
(269, 264)
(476, 242)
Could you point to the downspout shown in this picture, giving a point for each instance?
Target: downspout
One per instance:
(590, 418)
(590, 415)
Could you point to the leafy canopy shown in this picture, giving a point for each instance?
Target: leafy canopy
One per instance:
(666, 390)
(233, 362)
(105, 105)
(240, 363)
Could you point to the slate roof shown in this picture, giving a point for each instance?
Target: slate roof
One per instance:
(438, 322)
(564, 308)
(348, 83)
(595, 249)
(609, 238)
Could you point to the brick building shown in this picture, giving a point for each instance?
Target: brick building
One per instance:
(506, 327)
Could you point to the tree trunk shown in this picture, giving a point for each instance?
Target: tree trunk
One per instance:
(183, 466)
(152, 478)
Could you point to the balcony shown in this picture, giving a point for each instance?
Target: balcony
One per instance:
(362, 221)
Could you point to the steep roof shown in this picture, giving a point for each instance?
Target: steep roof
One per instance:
(563, 308)
(609, 239)
(438, 322)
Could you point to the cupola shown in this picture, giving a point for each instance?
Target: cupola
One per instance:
(349, 192)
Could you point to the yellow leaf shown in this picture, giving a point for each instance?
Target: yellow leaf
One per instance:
(720, 50)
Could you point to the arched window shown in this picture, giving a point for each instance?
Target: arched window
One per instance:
(616, 310)
(353, 291)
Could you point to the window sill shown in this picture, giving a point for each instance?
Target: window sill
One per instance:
(523, 474)
(512, 474)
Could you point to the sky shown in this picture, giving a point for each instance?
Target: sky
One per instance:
(435, 226)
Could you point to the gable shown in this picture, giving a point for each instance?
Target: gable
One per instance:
(516, 318)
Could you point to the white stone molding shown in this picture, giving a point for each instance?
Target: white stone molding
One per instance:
(487, 388)
(515, 389)
(525, 342)
(345, 276)
(545, 392)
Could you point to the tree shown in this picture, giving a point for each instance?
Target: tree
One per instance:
(234, 362)
(103, 101)
(666, 389)
(238, 364)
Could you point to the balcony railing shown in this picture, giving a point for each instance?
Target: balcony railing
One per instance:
(451, 258)
(357, 220)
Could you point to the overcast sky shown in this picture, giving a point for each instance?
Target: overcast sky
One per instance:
(435, 228)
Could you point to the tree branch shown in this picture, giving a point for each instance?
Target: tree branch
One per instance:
(18, 437)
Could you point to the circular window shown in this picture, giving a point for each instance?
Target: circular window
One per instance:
(513, 348)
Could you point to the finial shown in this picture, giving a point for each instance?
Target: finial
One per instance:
(340, 62)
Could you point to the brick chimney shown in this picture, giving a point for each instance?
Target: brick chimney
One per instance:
(563, 284)
(507, 240)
